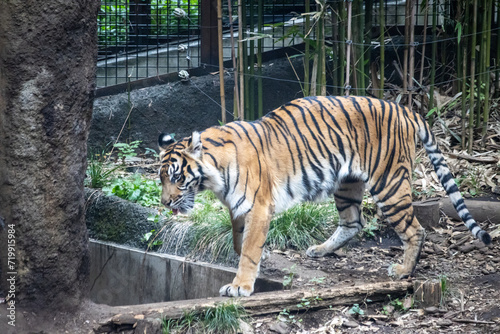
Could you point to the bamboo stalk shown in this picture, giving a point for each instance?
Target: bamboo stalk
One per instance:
(323, 51)
(497, 58)
(465, 41)
(422, 61)
(240, 61)
(368, 36)
(251, 65)
(342, 50)
(358, 50)
(464, 92)
(412, 51)
(307, 26)
(482, 65)
(236, 101)
(349, 46)
(472, 76)
(433, 61)
(245, 57)
(260, 24)
(335, 47)
(382, 48)
(407, 42)
(486, 51)
(221, 62)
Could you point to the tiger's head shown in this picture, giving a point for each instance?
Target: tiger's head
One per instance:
(181, 171)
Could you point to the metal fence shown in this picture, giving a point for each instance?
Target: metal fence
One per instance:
(146, 38)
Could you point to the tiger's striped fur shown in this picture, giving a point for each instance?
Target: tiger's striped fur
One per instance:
(308, 150)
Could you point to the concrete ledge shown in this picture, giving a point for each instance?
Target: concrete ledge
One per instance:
(121, 275)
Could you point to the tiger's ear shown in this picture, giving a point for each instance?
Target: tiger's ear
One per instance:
(165, 140)
(195, 145)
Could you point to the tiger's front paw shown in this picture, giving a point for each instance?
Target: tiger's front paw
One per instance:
(398, 271)
(316, 251)
(231, 290)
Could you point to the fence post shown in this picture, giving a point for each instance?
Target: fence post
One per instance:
(209, 36)
(140, 21)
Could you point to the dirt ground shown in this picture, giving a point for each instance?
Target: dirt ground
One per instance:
(471, 301)
(469, 269)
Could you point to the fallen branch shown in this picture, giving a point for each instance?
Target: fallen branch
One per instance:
(471, 321)
(485, 160)
(258, 304)
(480, 210)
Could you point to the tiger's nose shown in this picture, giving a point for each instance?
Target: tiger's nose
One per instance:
(166, 202)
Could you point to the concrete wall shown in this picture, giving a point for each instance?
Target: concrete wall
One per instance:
(121, 275)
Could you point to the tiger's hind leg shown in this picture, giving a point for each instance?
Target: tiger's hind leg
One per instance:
(348, 199)
(398, 211)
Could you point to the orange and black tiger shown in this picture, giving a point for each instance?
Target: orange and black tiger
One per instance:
(308, 150)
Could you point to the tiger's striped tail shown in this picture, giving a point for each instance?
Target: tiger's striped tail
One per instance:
(448, 182)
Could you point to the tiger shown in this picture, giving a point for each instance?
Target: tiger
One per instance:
(309, 149)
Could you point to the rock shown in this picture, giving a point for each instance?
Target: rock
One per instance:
(350, 324)
(245, 328)
(496, 190)
(280, 327)
(444, 322)
(467, 248)
(431, 310)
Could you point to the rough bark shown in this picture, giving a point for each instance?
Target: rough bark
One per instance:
(47, 74)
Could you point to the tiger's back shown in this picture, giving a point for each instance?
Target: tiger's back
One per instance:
(308, 150)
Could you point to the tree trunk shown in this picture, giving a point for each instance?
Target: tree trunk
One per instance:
(47, 68)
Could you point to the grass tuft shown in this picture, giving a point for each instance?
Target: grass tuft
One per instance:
(302, 226)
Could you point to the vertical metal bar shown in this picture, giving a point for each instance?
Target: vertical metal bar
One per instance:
(240, 61)
(221, 62)
(382, 49)
(412, 51)
(349, 46)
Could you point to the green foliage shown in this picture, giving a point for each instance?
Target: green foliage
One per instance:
(308, 302)
(135, 188)
(112, 23)
(356, 310)
(397, 305)
(126, 151)
(162, 20)
(288, 278)
(371, 227)
(302, 226)
(113, 19)
(470, 180)
(212, 228)
(152, 243)
(99, 171)
(223, 318)
(286, 316)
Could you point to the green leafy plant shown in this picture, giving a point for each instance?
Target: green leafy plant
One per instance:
(286, 316)
(371, 227)
(152, 243)
(397, 305)
(112, 23)
(126, 151)
(288, 278)
(317, 280)
(135, 188)
(99, 171)
(356, 310)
